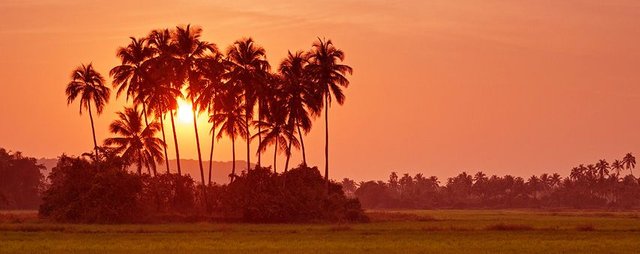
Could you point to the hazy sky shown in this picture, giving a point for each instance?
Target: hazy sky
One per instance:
(439, 86)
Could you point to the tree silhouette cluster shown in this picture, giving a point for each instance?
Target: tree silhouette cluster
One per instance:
(79, 193)
(20, 181)
(598, 185)
(236, 89)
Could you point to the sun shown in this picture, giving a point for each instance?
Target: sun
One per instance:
(185, 111)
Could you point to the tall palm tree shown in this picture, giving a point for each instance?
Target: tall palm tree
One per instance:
(191, 52)
(301, 101)
(130, 75)
(165, 64)
(136, 143)
(210, 94)
(629, 162)
(160, 97)
(87, 83)
(230, 119)
(603, 168)
(329, 74)
(617, 166)
(276, 131)
(247, 75)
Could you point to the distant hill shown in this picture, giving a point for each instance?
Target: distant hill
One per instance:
(220, 169)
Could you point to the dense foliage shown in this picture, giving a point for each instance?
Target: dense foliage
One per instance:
(78, 192)
(597, 185)
(20, 181)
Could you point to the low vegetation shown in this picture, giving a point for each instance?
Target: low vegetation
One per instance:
(79, 193)
(448, 231)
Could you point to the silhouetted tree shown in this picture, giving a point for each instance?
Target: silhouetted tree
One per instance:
(136, 143)
(87, 83)
(328, 73)
(247, 76)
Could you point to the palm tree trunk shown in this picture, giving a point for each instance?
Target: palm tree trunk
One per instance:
(164, 140)
(286, 164)
(233, 152)
(213, 141)
(326, 139)
(275, 156)
(175, 142)
(195, 127)
(93, 131)
(259, 137)
(246, 121)
(304, 156)
(144, 113)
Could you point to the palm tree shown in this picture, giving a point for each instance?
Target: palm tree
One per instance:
(603, 168)
(276, 131)
(136, 143)
(629, 162)
(131, 74)
(165, 64)
(191, 52)
(230, 119)
(301, 101)
(209, 94)
(329, 75)
(617, 166)
(87, 83)
(160, 98)
(247, 75)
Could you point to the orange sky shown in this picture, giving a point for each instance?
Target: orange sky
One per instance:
(439, 86)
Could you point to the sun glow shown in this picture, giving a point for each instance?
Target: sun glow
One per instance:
(185, 112)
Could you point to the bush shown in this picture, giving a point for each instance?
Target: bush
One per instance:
(299, 195)
(80, 193)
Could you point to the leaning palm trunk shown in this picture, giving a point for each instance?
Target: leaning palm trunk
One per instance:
(164, 140)
(286, 164)
(275, 157)
(213, 141)
(304, 156)
(195, 126)
(93, 130)
(175, 142)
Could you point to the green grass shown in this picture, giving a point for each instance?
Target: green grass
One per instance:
(441, 231)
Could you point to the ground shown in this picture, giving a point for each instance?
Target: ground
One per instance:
(439, 231)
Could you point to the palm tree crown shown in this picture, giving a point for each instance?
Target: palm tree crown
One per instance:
(136, 143)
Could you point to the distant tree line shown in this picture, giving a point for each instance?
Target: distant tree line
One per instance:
(20, 181)
(601, 185)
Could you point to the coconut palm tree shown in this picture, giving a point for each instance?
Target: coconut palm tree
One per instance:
(191, 52)
(230, 119)
(136, 143)
(603, 168)
(276, 131)
(210, 94)
(329, 75)
(247, 75)
(161, 98)
(629, 162)
(617, 166)
(87, 83)
(130, 75)
(165, 64)
(301, 102)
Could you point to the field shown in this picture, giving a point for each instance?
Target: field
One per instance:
(440, 231)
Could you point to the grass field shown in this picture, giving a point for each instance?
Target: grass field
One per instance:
(441, 231)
